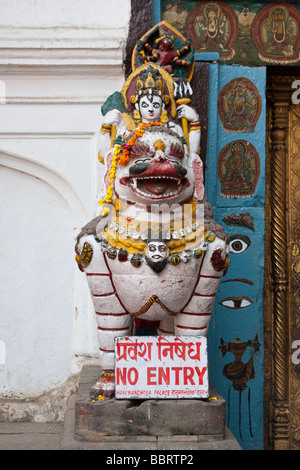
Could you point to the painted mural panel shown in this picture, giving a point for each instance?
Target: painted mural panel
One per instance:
(235, 182)
(276, 35)
(213, 26)
(239, 105)
(246, 33)
(236, 332)
(236, 160)
(238, 169)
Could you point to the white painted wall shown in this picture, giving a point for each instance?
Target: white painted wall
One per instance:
(59, 61)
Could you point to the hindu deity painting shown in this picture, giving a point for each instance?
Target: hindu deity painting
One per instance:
(238, 169)
(213, 27)
(275, 33)
(239, 105)
(244, 33)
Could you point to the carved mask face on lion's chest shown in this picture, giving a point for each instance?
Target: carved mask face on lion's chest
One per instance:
(157, 171)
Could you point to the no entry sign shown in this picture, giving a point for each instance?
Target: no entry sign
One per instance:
(161, 367)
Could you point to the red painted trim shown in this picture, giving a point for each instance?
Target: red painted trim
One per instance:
(199, 274)
(112, 314)
(191, 327)
(116, 293)
(204, 295)
(197, 314)
(113, 329)
(103, 295)
(97, 274)
(167, 332)
(107, 350)
(209, 277)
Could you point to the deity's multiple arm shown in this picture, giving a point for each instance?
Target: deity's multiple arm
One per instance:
(194, 130)
(113, 124)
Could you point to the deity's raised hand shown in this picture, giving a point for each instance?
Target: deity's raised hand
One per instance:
(113, 117)
(185, 111)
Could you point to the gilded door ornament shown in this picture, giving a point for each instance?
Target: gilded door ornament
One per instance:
(282, 278)
(294, 253)
(213, 27)
(279, 266)
(238, 169)
(275, 33)
(239, 105)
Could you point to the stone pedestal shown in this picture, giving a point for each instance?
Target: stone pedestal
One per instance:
(144, 424)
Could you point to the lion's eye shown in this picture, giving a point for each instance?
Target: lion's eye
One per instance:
(145, 160)
(239, 243)
(176, 150)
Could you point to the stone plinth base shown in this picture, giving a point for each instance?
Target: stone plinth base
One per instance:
(144, 424)
(166, 417)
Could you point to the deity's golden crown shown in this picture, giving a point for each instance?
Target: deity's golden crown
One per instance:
(149, 82)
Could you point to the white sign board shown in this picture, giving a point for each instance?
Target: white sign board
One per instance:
(161, 367)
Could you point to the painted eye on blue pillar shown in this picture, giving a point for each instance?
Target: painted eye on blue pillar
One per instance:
(239, 243)
(236, 302)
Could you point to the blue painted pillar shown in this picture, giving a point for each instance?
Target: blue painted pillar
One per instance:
(235, 186)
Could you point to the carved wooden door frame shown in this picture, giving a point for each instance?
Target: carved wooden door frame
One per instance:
(282, 276)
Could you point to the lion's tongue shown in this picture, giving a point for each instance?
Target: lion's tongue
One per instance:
(156, 187)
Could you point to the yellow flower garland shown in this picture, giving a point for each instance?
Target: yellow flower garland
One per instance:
(112, 174)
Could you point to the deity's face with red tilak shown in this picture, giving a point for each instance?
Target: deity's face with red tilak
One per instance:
(150, 107)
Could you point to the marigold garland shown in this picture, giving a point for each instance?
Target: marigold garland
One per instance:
(100, 158)
(121, 156)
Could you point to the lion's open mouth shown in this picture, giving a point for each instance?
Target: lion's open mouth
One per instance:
(155, 187)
